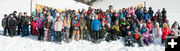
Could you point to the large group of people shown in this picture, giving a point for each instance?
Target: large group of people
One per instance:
(135, 24)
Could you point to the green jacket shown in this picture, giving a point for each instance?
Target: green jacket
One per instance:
(26, 20)
(116, 29)
(82, 23)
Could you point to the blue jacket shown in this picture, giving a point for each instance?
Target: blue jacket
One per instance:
(142, 30)
(52, 13)
(146, 16)
(95, 25)
(139, 15)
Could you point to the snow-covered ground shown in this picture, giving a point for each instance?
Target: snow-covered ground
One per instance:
(32, 44)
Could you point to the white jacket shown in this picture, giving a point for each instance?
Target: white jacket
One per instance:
(157, 33)
(58, 26)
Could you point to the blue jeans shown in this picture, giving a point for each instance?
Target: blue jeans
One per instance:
(54, 35)
(25, 30)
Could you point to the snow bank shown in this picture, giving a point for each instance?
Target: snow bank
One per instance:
(32, 44)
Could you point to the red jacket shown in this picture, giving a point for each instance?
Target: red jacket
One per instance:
(33, 26)
(165, 32)
(149, 26)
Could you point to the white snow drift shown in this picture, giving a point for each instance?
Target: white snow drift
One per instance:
(32, 44)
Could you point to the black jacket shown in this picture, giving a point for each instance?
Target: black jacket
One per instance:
(12, 23)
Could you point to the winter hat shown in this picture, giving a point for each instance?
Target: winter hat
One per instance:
(157, 23)
(41, 15)
(108, 14)
(34, 13)
(55, 10)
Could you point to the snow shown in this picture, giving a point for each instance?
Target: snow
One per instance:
(31, 43)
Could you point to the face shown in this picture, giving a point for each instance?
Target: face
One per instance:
(11, 16)
(25, 14)
(156, 25)
(107, 16)
(124, 19)
(75, 18)
(165, 26)
(129, 32)
(136, 30)
(20, 14)
(81, 16)
(117, 22)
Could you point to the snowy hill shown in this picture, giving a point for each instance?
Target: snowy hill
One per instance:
(32, 44)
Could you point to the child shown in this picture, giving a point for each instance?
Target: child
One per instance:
(4, 24)
(58, 26)
(25, 23)
(39, 23)
(12, 25)
(146, 37)
(47, 28)
(137, 37)
(129, 39)
(76, 25)
(157, 33)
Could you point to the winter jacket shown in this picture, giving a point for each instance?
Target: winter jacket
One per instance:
(163, 14)
(39, 22)
(4, 22)
(82, 22)
(147, 37)
(75, 24)
(149, 26)
(12, 23)
(151, 12)
(121, 16)
(47, 23)
(136, 36)
(139, 15)
(19, 19)
(58, 26)
(52, 13)
(26, 20)
(108, 20)
(33, 26)
(125, 13)
(131, 12)
(175, 31)
(95, 25)
(142, 30)
(165, 32)
(146, 16)
(157, 33)
(116, 29)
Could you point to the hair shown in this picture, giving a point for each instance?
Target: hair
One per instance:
(5, 15)
(25, 13)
